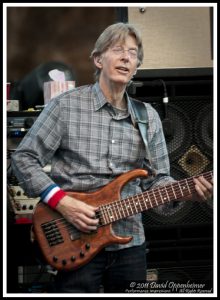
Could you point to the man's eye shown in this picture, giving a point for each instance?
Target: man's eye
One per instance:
(133, 51)
(119, 49)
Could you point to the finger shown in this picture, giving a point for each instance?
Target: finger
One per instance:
(201, 188)
(206, 183)
(89, 221)
(85, 227)
(90, 211)
(206, 186)
(200, 192)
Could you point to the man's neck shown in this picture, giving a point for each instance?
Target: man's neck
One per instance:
(114, 94)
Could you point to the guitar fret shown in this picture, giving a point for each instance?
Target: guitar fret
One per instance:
(170, 192)
(187, 185)
(128, 206)
(135, 204)
(173, 191)
(116, 211)
(119, 209)
(149, 199)
(167, 194)
(185, 188)
(111, 215)
(138, 204)
(113, 211)
(155, 198)
(101, 218)
(108, 219)
(104, 214)
(161, 196)
(142, 201)
(180, 189)
(122, 208)
(107, 214)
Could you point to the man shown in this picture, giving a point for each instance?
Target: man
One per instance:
(90, 137)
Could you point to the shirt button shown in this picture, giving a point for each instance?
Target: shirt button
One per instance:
(113, 141)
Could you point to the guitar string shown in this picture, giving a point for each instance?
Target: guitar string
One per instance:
(116, 204)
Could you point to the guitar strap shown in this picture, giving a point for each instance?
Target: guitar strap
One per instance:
(140, 116)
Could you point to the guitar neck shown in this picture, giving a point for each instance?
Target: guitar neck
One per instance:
(121, 209)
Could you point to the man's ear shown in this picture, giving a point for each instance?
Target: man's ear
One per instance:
(98, 61)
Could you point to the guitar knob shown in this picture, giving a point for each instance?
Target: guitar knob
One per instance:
(64, 262)
(55, 258)
(87, 246)
(81, 254)
(73, 258)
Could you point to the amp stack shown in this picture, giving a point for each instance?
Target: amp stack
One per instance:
(180, 235)
(25, 271)
(21, 206)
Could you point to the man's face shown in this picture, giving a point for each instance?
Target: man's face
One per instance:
(119, 62)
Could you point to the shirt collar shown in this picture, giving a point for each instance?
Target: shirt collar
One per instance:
(100, 100)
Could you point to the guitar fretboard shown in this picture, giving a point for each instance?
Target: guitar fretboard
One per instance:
(121, 209)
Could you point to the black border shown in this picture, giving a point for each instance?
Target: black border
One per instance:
(177, 72)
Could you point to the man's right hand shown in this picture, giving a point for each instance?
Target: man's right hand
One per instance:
(80, 214)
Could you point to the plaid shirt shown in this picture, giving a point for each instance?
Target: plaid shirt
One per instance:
(88, 143)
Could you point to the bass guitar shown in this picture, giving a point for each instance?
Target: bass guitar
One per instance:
(66, 248)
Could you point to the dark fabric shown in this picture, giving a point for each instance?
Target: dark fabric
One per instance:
(108, 272)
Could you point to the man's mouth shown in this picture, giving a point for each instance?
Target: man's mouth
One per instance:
(123, 70)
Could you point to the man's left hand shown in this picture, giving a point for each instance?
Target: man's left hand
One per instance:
(203, 188)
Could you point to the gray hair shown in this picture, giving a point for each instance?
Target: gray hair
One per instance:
(111, 35)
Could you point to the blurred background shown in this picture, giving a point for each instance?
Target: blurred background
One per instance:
(40, 39)
(36, 35)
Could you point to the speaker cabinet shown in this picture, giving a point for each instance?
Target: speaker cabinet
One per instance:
(188, 127)
(189, 141)
(180, 234)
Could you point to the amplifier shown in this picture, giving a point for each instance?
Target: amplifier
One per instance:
(18, 123)
(21, 205)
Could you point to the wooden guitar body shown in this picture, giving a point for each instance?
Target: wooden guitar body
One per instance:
(66, 248)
